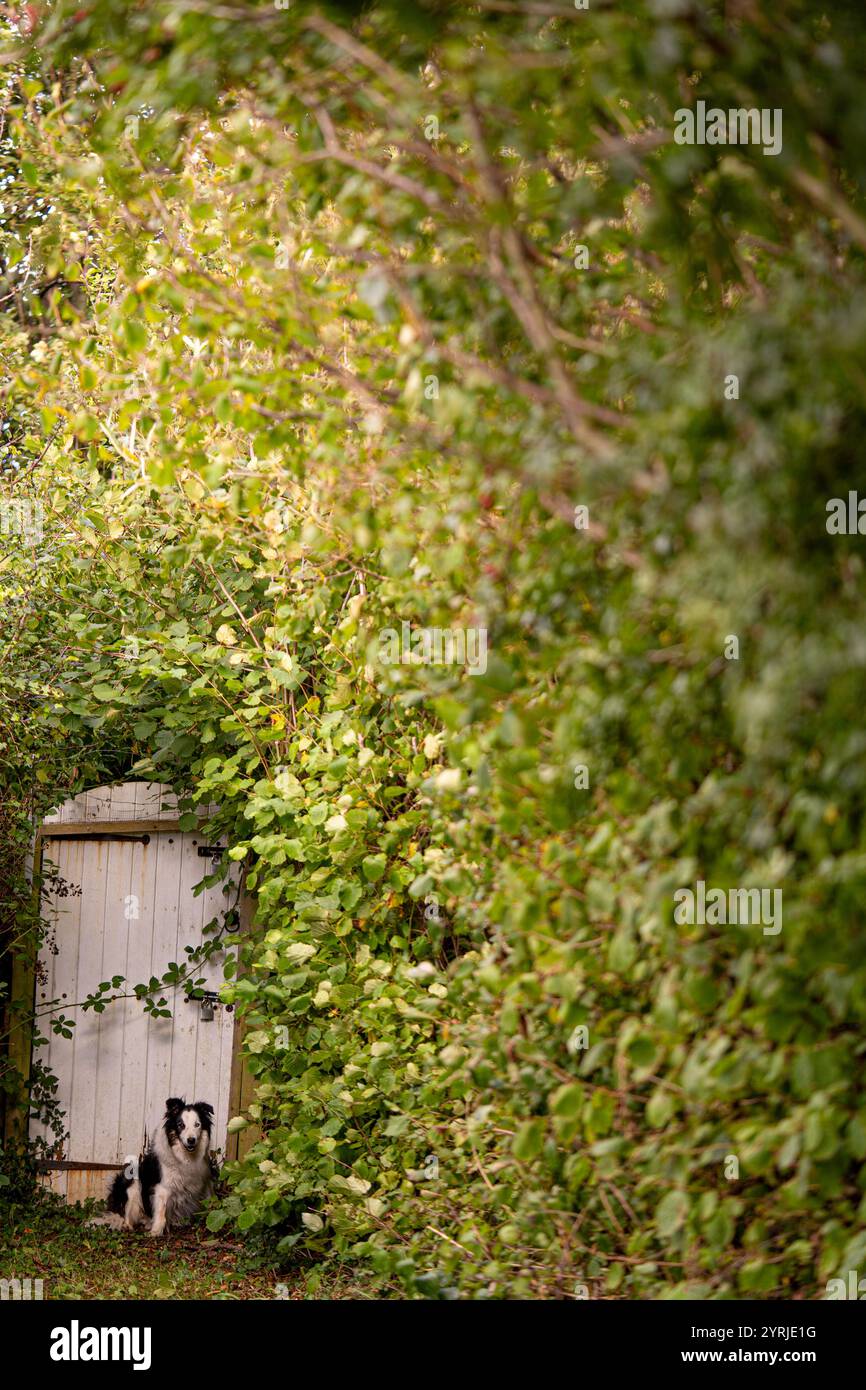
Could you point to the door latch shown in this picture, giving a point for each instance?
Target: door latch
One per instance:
(209, 1000)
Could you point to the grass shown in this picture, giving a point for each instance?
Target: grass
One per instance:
(53, 1242)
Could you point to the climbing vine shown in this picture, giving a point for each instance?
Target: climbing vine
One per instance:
(344, 343)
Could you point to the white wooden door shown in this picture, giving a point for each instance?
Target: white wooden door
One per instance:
(127, 907)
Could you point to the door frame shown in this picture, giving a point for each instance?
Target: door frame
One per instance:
(23, 990)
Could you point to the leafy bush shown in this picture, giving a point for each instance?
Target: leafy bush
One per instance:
(336, 363)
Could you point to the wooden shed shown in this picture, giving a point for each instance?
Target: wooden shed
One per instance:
(124, 904)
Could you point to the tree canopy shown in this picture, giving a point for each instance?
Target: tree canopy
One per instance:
(330, 322)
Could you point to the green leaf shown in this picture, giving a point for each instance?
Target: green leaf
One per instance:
(373, 867)
(528, 1140)
(671, 1214)
(567, 1100)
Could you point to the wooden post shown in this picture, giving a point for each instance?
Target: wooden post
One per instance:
(242, 1087)
(19, 1017)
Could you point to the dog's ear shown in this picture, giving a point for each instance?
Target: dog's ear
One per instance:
(205, 1111)
(173, 1104)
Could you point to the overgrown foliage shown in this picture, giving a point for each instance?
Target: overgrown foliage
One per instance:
(320, 354)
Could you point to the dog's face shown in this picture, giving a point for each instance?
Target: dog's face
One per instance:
(188, 1126)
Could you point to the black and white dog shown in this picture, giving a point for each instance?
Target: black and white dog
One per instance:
(173, 1176)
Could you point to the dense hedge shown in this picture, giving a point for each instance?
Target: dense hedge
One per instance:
(323, 356)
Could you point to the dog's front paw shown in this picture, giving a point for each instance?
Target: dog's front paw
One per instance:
(157, 1231)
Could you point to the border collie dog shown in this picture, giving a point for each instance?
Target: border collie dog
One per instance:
(174, 1175)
